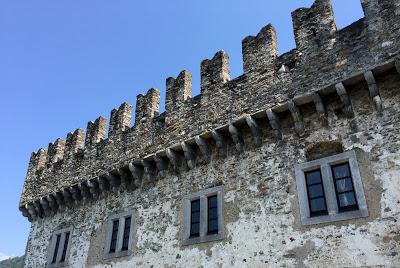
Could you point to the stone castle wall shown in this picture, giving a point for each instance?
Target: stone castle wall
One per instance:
(262, 225)
(324, 56)
(245, 134)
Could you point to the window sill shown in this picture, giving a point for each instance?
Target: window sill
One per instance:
(202, 239)
(349, 215)
(117, 254)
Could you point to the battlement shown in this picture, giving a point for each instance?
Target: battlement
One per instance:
(55, 151)
(96, 131)
(273, 89)
(37, 160)
(260, 52)
(314, 26)
(120, 120)
(214, 72)
(73, 144)
(179, 90)
(147, 106)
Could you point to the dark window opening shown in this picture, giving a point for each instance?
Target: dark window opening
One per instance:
(291, 64)
(344, 188)
(212, 215)
(114, 236)
(127, 229)
(195, 218)
(65, 247)
(314, 32)
(56, 249)
(316, 193)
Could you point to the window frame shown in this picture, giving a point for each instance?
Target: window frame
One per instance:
(325, 165)
(60, 250)
(208, 214)
(121, 217)
(316, 213)
(348, 208)
(203, 235)
(197, 234)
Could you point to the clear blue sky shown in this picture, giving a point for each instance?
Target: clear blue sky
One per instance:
(64, 63)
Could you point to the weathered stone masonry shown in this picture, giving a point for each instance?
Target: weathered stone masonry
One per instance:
(336, 87)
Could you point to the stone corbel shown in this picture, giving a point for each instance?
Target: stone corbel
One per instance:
(373, 90)
(75, 193)
(190, 154)
(38, 208)
(103, 185)
(137, 174)
(297, 118)
(161, 162)
(174, 158)
(25, 213)
(45, 206)
(85, 192)
(275, 123)
(219, 140)
(255, 129)
(344, 97)
(149, 168)
(60, 201)
(237, 137)
(126, 179)
(114, 181)
(68, 198)
(320, 107)
(204, 147)
(94, 188)
(32, 211)
(52, 203)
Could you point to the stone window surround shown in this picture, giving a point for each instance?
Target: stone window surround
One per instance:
(121, 217)
(204, 237)
(327, 178)
(52, 247)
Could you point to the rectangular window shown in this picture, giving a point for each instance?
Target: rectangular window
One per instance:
(114, 236)
(56, 248)
(195, 218)
(345, 194)
(127, 229)
(203, 216)
(119, 236)
(315, 193)
(212, 215)
(59, 248)
(64, 252)
(330, 189)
